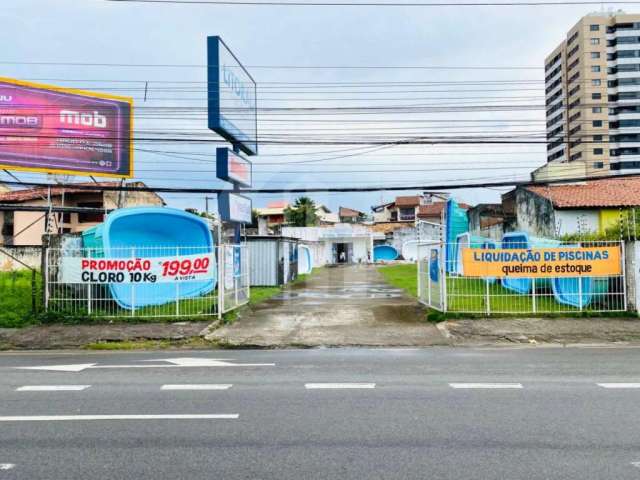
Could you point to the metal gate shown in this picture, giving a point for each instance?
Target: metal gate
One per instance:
(432, 287)
(443, 286)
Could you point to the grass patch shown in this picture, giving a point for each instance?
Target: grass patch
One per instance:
(404, 276)
(469, 295)
(194, 342)
(16, 298)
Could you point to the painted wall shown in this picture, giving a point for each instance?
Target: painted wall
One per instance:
(576, 221)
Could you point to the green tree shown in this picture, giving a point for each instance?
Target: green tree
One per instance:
(302, 214)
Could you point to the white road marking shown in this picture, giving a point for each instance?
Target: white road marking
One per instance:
(174, 363)
(313, 386)
(485, 385)
(619, 385)
(59, 418)
(635, 464)
(7, 466)
(218, 386)
(52, 388)
(61, 368)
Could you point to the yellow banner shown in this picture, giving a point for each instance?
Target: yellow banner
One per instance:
(542, 262)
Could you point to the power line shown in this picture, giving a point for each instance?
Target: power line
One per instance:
(371, 4)
(445, 186)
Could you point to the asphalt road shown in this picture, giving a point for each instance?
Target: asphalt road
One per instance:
(533, 413)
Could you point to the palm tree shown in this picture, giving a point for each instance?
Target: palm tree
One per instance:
(302, 214)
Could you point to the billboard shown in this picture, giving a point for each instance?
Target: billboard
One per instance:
(231, 96)
(232, 167)
(234, 208)
(51, 129)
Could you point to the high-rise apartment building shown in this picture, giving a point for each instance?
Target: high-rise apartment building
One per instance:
(592, 85)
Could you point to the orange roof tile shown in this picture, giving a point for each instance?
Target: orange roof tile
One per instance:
(608, 192)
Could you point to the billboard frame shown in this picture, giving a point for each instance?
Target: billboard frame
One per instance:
(213, 96)
(83, 93)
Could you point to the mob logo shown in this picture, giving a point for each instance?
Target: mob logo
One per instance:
(6, 98)
(83, 118)
(19, 121)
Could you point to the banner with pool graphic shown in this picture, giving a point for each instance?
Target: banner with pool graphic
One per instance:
(543, 262)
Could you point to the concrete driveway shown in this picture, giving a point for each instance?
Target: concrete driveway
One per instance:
(337, 306)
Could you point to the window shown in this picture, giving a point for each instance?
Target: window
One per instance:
(596, 82)
(597, 138)
(575, 156)
(598, 164)
(597, 123)
(594, 28)
(85, 217)
(595, 55)
(596, 96)
(595, 41)
(597, 151)
(595, 68)
(596, 110)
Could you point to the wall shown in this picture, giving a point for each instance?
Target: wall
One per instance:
(576, 221)
(609, 217)
(29, 255)
(534, 214)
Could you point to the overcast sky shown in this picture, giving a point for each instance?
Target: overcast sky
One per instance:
(96, 31)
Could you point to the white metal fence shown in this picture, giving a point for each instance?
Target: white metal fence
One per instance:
(146, 282)
(443, 286)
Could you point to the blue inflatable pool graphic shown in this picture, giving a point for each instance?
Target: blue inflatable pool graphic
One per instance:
(524, 240)
(151, 232)
(384, 253)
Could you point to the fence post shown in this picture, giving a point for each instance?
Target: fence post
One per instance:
(443, 275)
(34, 292)
(177, 288)
(623, 258)
(580, 292)
(133, 289)
(45, 273)
(533, 295)
(420, 297)
(488, 304)
(220, 282)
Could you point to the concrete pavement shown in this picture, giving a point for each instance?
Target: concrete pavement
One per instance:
(342, 306)
(412, 423)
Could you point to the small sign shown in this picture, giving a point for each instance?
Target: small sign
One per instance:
(542, 262)
(234, 208)
(232, 167)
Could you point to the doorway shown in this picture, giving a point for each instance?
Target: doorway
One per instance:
(343, 252)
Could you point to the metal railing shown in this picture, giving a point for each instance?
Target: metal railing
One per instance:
(442, 285)
(146, 282)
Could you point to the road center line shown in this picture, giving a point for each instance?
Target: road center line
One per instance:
(485, 385)
(318, 386)
(7, 466)
(197, 387)
(619, 385)
(52, 388)
(59, 418)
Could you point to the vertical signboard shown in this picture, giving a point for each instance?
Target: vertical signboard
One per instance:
(231, 96)
(234, 208)
(59, 130)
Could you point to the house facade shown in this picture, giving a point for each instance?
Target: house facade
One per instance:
(18, 227)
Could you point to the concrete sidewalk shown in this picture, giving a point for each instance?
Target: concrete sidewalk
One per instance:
(77, 336)
(340, 306)
(564, 331)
